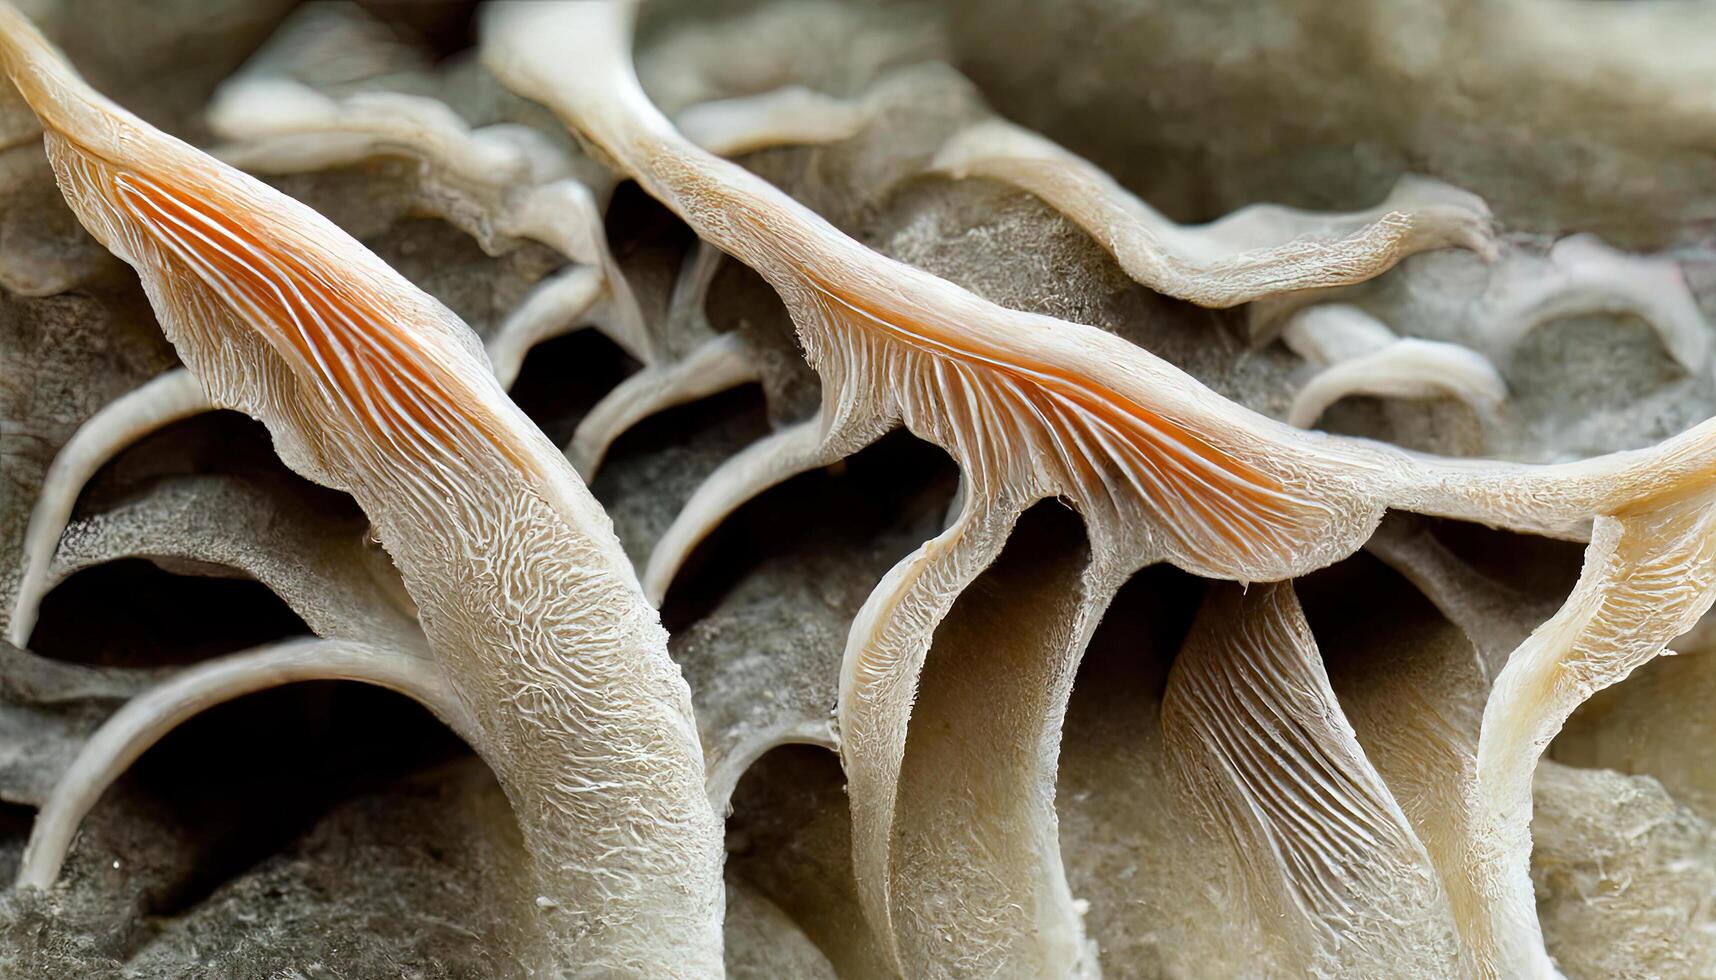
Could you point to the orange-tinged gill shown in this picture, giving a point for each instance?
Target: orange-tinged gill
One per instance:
(340, 334)
(524, 593)
(310, 303)
(1164, 460)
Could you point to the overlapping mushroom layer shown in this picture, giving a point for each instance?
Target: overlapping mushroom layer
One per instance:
(1352, 819)
(545, 654)
(1159, 467)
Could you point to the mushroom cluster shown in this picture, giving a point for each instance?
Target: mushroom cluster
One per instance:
(937, 561)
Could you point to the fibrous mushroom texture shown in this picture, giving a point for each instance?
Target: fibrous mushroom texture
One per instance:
(1052, 489)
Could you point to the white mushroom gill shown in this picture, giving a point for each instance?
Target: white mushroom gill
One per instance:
(1356, 354)
(714, 363)
(790, 115)
(1524, 288)
(1262, 240)
(1254, 253)
(1160, 468)
(366, 384)
(1649, 575)
(144, 719)
(1256, 733)
(1262, 251)
(1585, 276)
(719, 364)
(498, 183)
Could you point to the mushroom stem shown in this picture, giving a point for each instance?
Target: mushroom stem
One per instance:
(147, 717)
(713, 367)
(158, 403)
(766, 463)
(552, 308)
(369, 385)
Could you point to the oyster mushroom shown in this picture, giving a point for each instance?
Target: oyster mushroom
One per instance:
(537, 626)
(1160, 468)
(499, 183)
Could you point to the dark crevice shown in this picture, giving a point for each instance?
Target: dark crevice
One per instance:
(1137, 640)
(130, 613)
(1526, 563)
(650, 245)
(1348, 604)
(790, 838)
(15, 822)
(1124, 668)
(742, 302)
(442, 28)
(737, 415)
(843, 506)
(211, 443)
(562, 378)
(241, 781)
(638, 226)
(654, 467)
